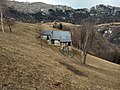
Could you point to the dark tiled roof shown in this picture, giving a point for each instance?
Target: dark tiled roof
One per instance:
(46, 32)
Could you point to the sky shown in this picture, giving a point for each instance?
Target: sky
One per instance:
(77, 3)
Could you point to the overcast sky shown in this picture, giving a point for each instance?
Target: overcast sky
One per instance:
(77, 3)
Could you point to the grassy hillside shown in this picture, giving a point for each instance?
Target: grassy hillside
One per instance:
(24, 65)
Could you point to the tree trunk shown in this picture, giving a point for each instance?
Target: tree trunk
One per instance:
(84, 58)
(2, 21)
(10, 28)
(40, 31)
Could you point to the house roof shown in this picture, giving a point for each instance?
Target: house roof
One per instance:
(63, 36)
(46, 32)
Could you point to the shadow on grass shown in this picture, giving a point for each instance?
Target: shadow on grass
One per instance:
(90, 67)
(73, 70)
(98, 69)
(87, 65)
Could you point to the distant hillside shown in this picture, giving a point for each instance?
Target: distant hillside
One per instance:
(41, 11)
(111, 31)
(24, 65)
(26, 7)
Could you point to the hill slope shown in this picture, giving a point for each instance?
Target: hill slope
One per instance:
(24, 65)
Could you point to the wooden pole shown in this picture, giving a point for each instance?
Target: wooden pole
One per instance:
(2, 21)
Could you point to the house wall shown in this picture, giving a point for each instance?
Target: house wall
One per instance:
(44, 37)
(66, 43)
(56, 42)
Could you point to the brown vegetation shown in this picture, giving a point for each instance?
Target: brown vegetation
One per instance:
(24, 65)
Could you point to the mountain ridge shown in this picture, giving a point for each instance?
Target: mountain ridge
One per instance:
(35, 7)
(41, 11)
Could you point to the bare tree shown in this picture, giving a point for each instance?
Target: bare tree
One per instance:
(2, 10)
(8, 16)
(10, 23)
(5, 11)
(86, 38)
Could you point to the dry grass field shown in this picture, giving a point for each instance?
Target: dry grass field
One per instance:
(24, 65)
